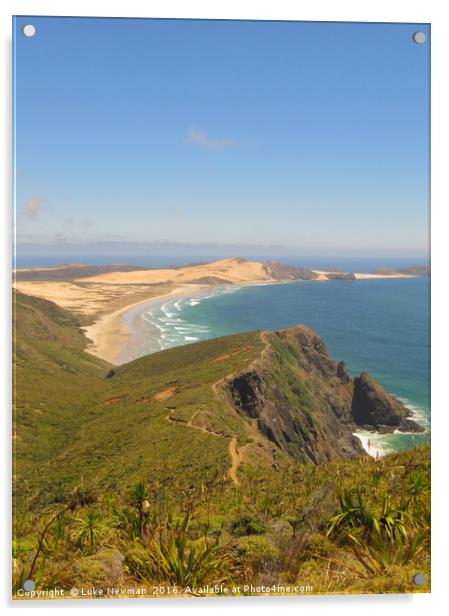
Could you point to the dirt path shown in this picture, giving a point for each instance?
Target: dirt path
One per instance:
(189, 424)
(235, 453)
(235, 460)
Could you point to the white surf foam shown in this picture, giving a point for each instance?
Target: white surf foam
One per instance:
(371, 444)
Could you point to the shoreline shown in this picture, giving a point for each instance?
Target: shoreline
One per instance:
(111, 334)
(371, 447)
(372, 441)
(115, 335)
(362, 275)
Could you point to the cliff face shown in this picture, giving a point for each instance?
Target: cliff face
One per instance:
(306, 403)
(242, 404)
(279, 271)
(340, 276)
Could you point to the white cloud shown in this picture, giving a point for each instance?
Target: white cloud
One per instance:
(199, 137)
(33, 207)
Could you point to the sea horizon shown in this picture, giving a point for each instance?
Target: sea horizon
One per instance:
(360, 263)
(366, 323)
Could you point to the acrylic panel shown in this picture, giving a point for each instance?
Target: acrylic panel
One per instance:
(221, 308)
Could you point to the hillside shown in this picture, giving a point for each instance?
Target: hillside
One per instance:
(261, 398)
(200, 427)
(69, 271)
(223, 271)
(414, 270)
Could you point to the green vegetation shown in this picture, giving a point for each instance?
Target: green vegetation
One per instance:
(396, 534)
(246, 525)
(71, 272)
(414, 270)
(125, 478)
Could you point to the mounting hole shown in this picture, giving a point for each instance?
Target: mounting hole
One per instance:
(29, 30)
(29, 585)
(419, 38)
(419, 579)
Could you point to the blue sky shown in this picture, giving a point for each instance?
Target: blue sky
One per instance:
(310, 138)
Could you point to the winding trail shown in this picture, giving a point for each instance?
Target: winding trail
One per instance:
(235, 453)
(235, 460)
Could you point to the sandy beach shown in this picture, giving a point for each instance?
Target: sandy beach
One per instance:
(115, 335)
(111, 335)
(323, 275)
(109, 304)
(383, 276)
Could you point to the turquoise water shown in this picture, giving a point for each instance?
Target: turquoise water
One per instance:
(381, 326)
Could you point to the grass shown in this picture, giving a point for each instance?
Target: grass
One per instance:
(125, 480)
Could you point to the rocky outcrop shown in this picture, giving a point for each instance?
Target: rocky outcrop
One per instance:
(304, 402)
(279, 271)
(374, 408)
(342, 373)
(340, 276)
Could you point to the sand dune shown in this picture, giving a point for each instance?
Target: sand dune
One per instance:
(231, 271)
(94, 296)
(92, 300)
(101, 300)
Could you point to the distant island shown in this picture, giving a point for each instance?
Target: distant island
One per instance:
(414, 270)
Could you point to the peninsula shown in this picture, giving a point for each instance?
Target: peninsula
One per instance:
(100, 295)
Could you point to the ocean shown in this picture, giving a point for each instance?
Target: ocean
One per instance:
(380, 326)
(344, 263)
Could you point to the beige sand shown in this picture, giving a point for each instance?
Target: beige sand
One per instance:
(373, 276)
(231, 271)
(95, 296)
(91, 300)
(110, 334)
(322, 275)
(101, 301)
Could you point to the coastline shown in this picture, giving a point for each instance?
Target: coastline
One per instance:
(114, 336)
(359, 276)
(322, 275)
(111, 335)
(369, 444)
(140, 328)
(377, 444)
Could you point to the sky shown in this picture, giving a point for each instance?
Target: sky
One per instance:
(196, 137)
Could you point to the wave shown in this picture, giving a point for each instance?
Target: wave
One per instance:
(378, 445)
(419, 414)
(166, 326)
(372, 444)
(164, 331)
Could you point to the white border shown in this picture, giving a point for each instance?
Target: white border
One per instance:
(428, 11)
